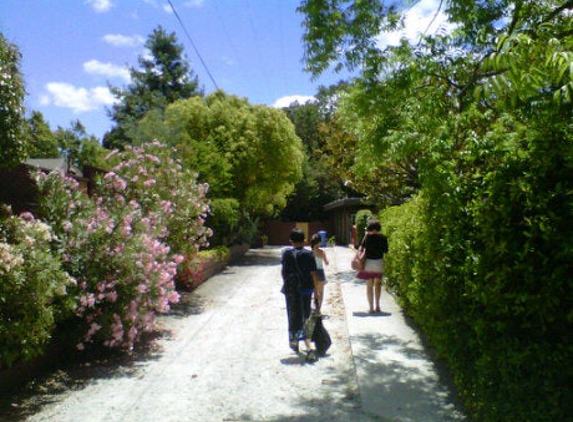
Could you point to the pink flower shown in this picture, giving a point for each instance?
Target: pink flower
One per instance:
(27, 216)
(111, 296)
(173, 297)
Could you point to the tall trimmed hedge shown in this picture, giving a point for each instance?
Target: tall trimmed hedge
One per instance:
(483, 258)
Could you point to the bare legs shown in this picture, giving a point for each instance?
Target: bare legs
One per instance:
(318, 295)
(373, 293)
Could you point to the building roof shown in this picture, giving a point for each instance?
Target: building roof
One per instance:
(346, 203)
(53, 164)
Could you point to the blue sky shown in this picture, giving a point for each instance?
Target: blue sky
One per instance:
(71, 49)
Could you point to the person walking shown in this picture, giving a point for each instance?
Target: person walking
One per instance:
(376, 245)
(298, 270)
(321, 260)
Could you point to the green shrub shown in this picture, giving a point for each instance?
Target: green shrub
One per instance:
(194, 270)
(224, 219)
(482, 259)
(33, 288)
(403, 226)
(362, 218)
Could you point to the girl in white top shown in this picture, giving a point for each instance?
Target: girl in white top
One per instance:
(321, 261)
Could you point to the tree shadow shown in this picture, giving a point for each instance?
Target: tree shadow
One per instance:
(73, 372)
(190, 303)
(268, 256)
(361, 314)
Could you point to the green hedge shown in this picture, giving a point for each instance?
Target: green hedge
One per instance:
(482, 259)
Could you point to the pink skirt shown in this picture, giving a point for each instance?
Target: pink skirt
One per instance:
(374, 268)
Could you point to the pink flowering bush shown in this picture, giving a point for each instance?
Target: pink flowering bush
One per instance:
(116, 244)
(33, 287)
(163, 188)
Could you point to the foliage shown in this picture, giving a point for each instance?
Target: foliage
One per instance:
(115, 245)
(81, 148)
(195, 268)
(164, 191)
(12, 147)
(164, 77)
(471, 132)
(39, 137)
(244, 152)
(33, 287)
(224, 219)
(361, 221)
(319, 184)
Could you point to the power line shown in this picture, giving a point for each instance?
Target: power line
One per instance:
(192, 44)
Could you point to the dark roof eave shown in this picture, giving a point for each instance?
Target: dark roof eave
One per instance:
(345, 203)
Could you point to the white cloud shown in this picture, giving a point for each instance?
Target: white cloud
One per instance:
(100, 6)
(118, 40)
(95, 67)
(288, 100)
(423, 18)
(194, 3)
(77, 99)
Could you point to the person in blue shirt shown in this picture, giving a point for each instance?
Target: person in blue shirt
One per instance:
(299, 279)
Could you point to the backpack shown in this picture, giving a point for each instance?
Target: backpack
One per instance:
(292, 281)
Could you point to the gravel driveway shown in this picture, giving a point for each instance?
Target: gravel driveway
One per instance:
(224, 356)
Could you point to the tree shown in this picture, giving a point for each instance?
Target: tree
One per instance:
(42, 142)
(246, 153)
(162, 79)
(12, 147)
(81, 148)
(479, 121)
(319, 184)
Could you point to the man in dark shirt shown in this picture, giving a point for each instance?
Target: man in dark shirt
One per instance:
(299, 277)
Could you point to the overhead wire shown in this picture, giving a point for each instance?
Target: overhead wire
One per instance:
(193, 44)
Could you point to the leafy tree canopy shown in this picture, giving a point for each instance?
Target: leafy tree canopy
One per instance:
(320, 183)
(247, 152)
(475, 125)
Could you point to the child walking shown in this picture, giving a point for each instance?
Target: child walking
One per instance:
(321, 261)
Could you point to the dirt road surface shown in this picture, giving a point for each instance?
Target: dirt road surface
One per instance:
(225, 357)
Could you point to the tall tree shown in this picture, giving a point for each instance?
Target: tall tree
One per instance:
(164, 77)
(12, 92)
